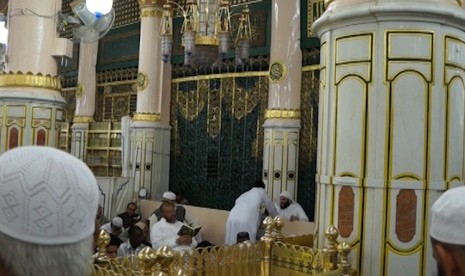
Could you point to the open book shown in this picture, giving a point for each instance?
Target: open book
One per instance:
(188, 230)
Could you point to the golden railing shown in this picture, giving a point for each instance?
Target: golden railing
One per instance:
(270, 256)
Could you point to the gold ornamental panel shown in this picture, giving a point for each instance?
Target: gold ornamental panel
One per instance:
(142, 81)
(282, 114)
(79, 90)
(30, 80)
(83, 119)
(147, 117)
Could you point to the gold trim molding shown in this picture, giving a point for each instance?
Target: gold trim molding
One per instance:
(146, 117)
(150, 11)
(83, 119)
(30, 80)
(282, 114)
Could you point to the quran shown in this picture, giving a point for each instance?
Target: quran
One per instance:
(188, 230)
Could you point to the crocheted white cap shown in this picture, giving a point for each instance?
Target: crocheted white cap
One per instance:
(169, 195)
(47, 196)
(448, 217)
(117, 222)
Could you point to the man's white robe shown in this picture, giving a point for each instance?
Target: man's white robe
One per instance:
(294, 209)
(244, 216)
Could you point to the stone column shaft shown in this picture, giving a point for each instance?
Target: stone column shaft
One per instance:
(282, 125)
(85, 97)
(150, 139)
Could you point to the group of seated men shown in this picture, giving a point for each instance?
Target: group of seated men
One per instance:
(130, 234)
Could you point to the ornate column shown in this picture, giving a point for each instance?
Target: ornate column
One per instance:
(85, 97)
(150, 146)
(391, 134)
(30, 100)
(282, 124)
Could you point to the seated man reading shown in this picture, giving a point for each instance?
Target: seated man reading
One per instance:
(165, 231)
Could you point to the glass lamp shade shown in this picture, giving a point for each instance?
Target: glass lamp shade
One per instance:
(99, 7)
(223, 41)
(243, 47)
(166, 46)
(189, 42)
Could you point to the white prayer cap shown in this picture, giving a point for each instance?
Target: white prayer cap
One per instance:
(117, 222)
(448, 217)
(47, 196)
(287, 195)
(169, 195)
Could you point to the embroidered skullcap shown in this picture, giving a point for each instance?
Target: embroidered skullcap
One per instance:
(287, 195)
(117, 222)
(448, 217)
(47, 196)
(169, 195)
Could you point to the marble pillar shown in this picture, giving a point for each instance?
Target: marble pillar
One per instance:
(282, 117)
(391, 134)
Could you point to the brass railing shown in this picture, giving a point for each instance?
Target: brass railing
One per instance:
(270, 256)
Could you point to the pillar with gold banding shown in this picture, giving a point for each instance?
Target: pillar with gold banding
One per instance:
(282, 124)
(392, 99)
(31, 106)
(150, 139)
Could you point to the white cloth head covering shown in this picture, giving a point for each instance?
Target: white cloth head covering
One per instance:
(169, 195)
(117, 222)
(287, 195)
(448, 217)
(47, 196)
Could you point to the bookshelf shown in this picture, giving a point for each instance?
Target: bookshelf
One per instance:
(103, 149)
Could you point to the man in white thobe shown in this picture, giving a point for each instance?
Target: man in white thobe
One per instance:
(165, 231)
(288, 209)
(134, 244)
(244, 216)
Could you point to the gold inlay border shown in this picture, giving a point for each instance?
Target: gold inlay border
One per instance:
(83, 119)
(146, 117)
(150, 12)
(30, 80)
(282, 114)
(221, 76)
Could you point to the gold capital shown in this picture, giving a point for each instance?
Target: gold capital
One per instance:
(30, 80)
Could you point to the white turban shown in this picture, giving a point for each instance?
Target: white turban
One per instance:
(47, 196)
(169, 195)
(287, 195)
(448, 217)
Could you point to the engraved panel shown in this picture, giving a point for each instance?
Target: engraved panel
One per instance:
(411, 45)
(13, 139)
(346, 209)
(406, 211)
(409, 125)
(353, 48)
(455, 141)
(455, 52)
(350, 129)
(41, 137)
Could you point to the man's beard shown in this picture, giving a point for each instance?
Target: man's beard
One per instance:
(440, 269)
(285, 205)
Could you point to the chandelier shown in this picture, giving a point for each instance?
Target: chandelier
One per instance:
(206, 23)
